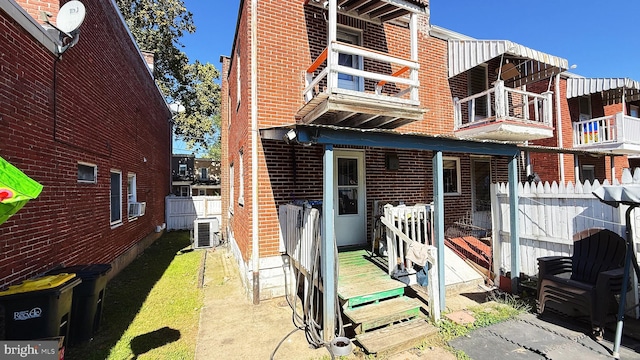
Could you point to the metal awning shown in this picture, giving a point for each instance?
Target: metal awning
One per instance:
(613, 90)
(531, 65)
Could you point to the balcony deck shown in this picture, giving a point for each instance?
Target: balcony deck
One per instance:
(617, 133)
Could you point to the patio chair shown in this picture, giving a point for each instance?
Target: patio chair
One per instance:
(585, 283)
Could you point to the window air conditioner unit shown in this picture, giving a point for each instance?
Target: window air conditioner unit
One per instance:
(205, 233)
(137, 209)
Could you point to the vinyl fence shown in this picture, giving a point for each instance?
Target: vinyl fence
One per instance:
(549, 215)
(182, 211)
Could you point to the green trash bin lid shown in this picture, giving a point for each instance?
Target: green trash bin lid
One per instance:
(39, 284)
(16, 189)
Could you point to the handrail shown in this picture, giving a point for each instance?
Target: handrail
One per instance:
(321, 58)
(382, 83)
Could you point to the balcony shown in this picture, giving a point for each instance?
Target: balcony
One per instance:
(504, 114)
(617, 133)
(394, 102)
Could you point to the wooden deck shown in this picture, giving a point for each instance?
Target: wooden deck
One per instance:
(362, 279)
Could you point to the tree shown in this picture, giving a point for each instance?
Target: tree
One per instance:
(157, 26)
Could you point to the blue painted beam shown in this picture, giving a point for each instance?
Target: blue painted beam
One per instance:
(514, 226)
(438, 222)
(395, 140)
(327, 250)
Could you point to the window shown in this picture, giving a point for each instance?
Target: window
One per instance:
(202, 192)
(241, 190)
(116, 197)
(132, 204)
(231, 192)
(203, 174)
(238, 92)
(634, 111)
(477, 83)
(346, 81)
(585, 108)
(451, 176)
(588, 173)
(184, 191)
(87, 173)
(182, 169)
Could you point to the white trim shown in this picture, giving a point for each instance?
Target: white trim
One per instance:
(95, 173)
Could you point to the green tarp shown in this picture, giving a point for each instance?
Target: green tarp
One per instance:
(16, 189)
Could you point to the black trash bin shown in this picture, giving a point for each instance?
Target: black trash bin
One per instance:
(38, 308)
(88, 297)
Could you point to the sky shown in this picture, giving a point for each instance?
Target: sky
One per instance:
(599, 37)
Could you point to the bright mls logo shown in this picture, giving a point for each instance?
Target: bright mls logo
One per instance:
(33, 349)
(27, 314)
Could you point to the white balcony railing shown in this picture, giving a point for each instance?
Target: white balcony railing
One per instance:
(607, 130)
(405, 79)
(502, 103)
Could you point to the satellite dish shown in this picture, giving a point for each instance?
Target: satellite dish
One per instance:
(70, 16)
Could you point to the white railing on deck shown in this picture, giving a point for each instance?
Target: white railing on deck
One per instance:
(504, 103)
(612, 129)
(408, 226)
(300, 233)
(330, 73)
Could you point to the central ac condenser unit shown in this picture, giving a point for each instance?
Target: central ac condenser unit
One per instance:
(206, 233)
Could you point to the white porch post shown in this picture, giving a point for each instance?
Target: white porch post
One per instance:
(332, 56)
(413, 26)
(501, 112)
(328, 249)
(438, 222)
(514, 226)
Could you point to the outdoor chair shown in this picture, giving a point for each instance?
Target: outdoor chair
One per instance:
(585, 283)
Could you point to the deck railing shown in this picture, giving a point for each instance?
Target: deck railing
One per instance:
(503, 103)
(612, 129)
(330, 73)
(409, 230)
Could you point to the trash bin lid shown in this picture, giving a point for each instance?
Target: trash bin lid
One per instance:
(85, 272)
(38, 284)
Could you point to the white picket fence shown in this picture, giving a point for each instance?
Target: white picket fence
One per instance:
(549, 215)
(182, 210)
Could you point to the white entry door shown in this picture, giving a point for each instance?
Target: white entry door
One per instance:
(350, 210)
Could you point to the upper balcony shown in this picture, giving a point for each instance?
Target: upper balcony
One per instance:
(504, 114)
(617, 133)
(353, 86)
(508, 111)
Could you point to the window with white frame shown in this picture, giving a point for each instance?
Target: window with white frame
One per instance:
(238, 91)
(241, 179)
(588, 173)
(231, 192)
(634, 111)
(115, 197)
(204, 173)
(182, 169)
(184, 191)
(133, 206)
(202, 192)
(87, 173)
(451, 175)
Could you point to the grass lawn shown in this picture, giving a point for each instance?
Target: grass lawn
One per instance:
(152, 308)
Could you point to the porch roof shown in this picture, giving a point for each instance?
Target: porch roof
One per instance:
(613, 90)
(532, 65)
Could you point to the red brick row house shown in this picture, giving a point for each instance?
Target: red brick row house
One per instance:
(357, 102)
(89, 123)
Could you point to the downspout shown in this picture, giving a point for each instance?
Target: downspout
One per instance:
(559, 127)
(255, 245)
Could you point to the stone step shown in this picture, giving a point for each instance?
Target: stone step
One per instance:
(396, 338)
(371, 316)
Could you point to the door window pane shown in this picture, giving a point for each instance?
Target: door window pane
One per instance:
(347, 172)
(347, 201)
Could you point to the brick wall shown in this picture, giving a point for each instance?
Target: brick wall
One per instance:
(99, 105)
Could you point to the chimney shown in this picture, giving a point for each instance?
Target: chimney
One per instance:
(149, 58)
(34, 8)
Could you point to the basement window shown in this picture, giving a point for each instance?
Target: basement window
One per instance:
(87, 173)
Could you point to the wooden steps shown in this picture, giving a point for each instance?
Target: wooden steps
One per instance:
(383, 318)
(371, 316)
(397, 337)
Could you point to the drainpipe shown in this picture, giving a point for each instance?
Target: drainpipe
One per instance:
(559, 126)
(255, 244)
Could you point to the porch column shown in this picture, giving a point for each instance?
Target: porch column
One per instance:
(438, 222)
(327, 251)
(413, 27)
(514, 228)
(613, 169)
(332, 56)
(576, 169)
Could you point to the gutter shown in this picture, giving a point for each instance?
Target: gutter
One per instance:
(559, 127)
(255, 244)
